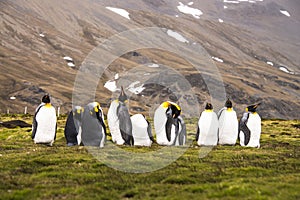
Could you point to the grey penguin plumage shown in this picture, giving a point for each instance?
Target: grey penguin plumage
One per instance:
(93, 127)
(125, 124)
(73, 126)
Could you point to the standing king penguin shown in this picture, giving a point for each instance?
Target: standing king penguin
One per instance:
(141, 131)
(93, 127)
(44, 123)
(250, 127)
(73, 126)
(119, 121)
(228, 125)
(169, 125)
(208, 124)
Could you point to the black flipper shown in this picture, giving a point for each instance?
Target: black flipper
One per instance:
(132, 140)
(169, 124)
(220, 112)
(198, 132)
(101, 122)
(34, 127)
(55, 131)
(34, 123)
(70, 129)
(149, 130)
(243, 127)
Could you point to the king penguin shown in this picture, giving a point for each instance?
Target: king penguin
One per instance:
(73, 126)
(141, 131)
(119, 121)
(44, 123)
(228, 125)
(169, 125)
(93, 127)
(208, 124)
(250, 127)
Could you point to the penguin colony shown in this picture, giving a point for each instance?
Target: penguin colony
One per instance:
(85, 125)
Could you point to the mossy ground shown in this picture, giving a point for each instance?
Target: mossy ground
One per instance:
(30, 171)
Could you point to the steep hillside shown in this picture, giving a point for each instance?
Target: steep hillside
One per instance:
(254, 44)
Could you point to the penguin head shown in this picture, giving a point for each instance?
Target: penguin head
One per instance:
(228, 103)
(252, 108)
(172, 109)
(176, 110)
(77, 110)
(123, 96)
(46, 98)
(96, 107)
(165, 104)
(208, 106)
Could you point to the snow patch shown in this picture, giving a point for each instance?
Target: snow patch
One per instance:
(286, 13)
(286, 70)
(67, 58)
(226, 1)
(190, 3)
(270, 63)
(225, 7)
(240, 1)
(116, 76)
(119, 11)
(41, 35)
(221, 20)
(136, 90)
(70, 61)
(177, 36)
(12, 98)
(217, 59)
(189, 10)
(111, 85)
(71, 64)
(153, 65)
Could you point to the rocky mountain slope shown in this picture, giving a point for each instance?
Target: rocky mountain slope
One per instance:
(253, 44)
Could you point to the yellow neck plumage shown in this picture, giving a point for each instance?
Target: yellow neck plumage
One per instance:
(166, 104)
(48, 105)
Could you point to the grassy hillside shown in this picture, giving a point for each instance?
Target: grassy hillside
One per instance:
(30, 171)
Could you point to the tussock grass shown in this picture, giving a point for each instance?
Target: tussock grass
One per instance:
(30, 171)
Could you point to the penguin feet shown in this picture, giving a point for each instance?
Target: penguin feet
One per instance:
(71, 144)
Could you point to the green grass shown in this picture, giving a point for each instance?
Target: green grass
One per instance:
(30, 171)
